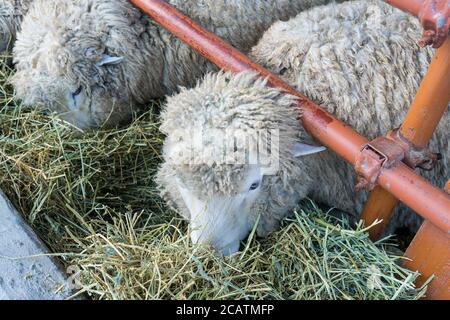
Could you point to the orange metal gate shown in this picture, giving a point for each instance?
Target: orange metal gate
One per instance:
(384, 165)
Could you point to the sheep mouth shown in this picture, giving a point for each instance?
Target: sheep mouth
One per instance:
(229, 249)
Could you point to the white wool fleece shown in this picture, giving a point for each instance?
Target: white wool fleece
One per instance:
(96, 61)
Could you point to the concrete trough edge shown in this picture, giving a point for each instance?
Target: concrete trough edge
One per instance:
(26, 270)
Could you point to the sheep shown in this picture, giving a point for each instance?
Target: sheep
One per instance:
(11, 14)
(359, 60)
(96, 61)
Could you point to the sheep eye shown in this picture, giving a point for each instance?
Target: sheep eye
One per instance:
(77, 92)
(254, 186)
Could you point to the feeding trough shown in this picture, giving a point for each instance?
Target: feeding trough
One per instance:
(27, 270)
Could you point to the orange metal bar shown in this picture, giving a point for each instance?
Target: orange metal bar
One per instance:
(421, 120)
(379, 206)
(430, 255)
(411, 6)
(431, 100)
(447, 187)
(418, 194)
(323, 126)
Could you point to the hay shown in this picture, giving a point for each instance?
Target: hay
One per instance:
(92, 199)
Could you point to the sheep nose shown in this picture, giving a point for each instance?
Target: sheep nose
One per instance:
(197, 237)
(229, 249)
(200, 236)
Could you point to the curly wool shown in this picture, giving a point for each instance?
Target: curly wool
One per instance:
(242, 103)
(11, 14)
(360, 61)
(61, 43)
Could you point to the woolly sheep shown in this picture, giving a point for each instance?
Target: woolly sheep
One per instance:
(11, 14)
(359, 60)
(94, 61)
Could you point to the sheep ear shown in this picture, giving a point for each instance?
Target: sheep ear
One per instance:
(108, 60)
(302, 149)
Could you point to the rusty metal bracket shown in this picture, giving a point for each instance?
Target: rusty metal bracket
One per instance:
(381, 153)
(447, 187)
(415, 157)
(386, 152)
(435, 18)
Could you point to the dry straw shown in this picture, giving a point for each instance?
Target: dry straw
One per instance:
(91, 197)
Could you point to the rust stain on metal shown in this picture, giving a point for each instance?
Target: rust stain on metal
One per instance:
(434, 16)
(381, 153)
(322, 117)
(414, 156)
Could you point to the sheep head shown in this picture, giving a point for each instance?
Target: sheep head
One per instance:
(232, 157)
(68, 60)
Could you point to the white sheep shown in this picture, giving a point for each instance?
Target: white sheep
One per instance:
(359, 60)
(11, 14)
(94, 61)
